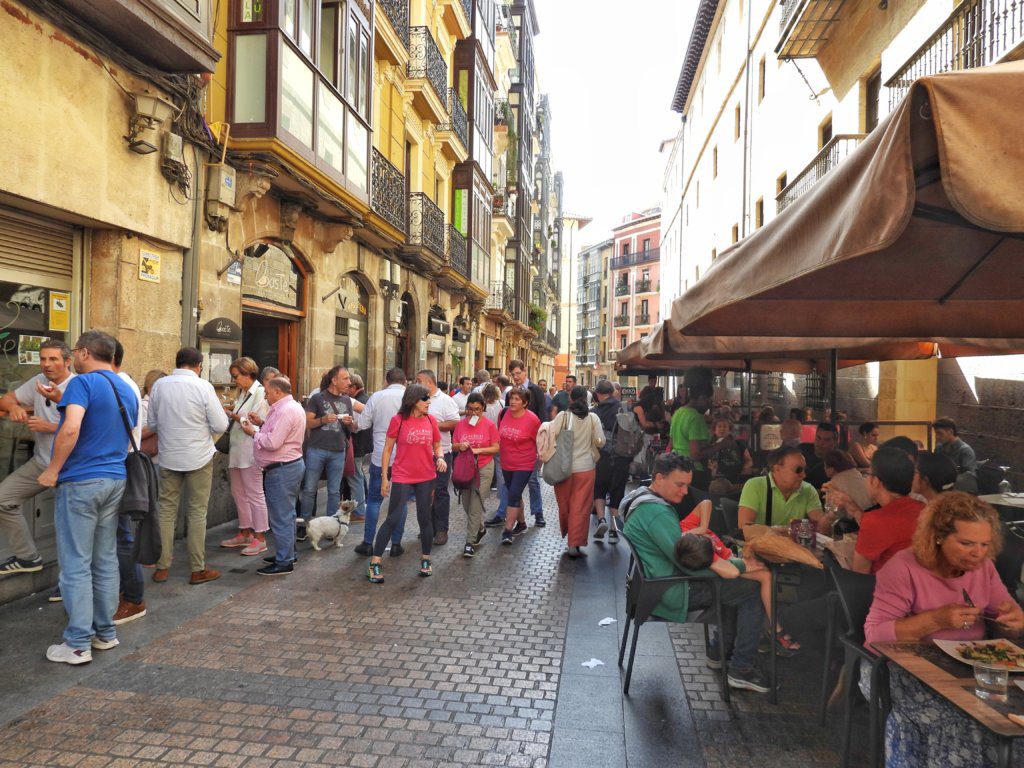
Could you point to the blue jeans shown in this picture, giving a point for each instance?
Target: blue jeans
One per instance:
(281, 487)
(742, 619)
(357, 486)
(129, 570)
(316, 460)
(373, 503)
(86, 514)
(536, 504)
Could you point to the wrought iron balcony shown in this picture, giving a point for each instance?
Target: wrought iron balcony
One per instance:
(643, 318)
(502, 112)
(622, 289)
(397, 12)
(425, 61)
(806, 26)
(501, 298)
(976, 34)
(551, 338)
(620, 320)
(506, 25)
(643, 286)
(387, 192)
(588, 359)
(426, 224)
(467, 6)
(502, 206)
(458, 123)
(833, 153)
(640, 257)
(457, 253)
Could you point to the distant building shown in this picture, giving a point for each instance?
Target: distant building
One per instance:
(634, 279)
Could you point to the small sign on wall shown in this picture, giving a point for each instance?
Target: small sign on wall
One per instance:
(149, 266)
(60, 311)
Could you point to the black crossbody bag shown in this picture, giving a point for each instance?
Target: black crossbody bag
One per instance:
(141, 491)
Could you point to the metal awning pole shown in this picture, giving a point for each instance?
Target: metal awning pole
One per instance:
(832, 374)
(747, 396)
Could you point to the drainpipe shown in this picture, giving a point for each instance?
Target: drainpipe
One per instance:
(745, 210)
(190, 259)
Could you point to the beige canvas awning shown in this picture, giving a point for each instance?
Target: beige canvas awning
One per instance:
(917, 234)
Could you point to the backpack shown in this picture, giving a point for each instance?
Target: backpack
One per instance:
(627, 437)
(558, 467)
(465, 471)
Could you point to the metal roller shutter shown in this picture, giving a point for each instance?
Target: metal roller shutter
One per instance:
(34, 245)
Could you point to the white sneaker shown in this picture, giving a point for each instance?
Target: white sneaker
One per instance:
(104, 645)
(65, 654)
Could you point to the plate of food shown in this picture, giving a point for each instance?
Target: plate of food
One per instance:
(999, 653)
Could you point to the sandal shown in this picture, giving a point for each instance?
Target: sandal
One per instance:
(375, 573)
(425, 569)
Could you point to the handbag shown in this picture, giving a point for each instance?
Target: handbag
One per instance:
(559, 467)
(465, 471)
(223, 443)
(141, 490)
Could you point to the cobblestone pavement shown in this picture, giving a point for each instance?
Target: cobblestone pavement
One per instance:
(462, 669)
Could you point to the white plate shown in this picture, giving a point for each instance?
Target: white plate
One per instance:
(950, 647)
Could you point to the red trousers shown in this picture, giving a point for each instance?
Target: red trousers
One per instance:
(575, 497)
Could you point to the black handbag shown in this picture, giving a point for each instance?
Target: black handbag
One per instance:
(141, 489)
(223, 444)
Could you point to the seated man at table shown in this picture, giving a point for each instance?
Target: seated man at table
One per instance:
(782, 495)
(890, 528)
(826, 438)
(652, 527)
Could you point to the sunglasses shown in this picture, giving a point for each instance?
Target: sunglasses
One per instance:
(799, 470)
(425, 399)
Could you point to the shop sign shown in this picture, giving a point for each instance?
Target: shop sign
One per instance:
(222, 328)
(435, 344)
(149, 266)
(350, 303)
(439, 326)
(457, 349)
(272, 277)
(460, 334)
(628, 391)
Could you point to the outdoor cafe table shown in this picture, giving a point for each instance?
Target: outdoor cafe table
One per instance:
(1001, 500)
(954, 681)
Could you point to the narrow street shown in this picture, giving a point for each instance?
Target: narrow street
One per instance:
(479, 665)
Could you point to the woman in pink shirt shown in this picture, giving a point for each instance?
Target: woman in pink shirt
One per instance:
(945, 586)
(517, 440)
(478, 435)
(416, 441)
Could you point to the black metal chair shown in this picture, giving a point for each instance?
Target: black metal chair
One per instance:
(643, 595)
(731, 515)
(854, 594)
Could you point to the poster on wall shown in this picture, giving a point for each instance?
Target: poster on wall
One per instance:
(234, 273)
(28, 349)
(60, 311)
(149, 266)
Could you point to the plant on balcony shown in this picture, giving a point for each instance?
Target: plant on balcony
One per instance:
(538, 318)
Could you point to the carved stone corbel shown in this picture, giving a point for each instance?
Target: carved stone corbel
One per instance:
(290, 212)
(248, 185)
(334, 235)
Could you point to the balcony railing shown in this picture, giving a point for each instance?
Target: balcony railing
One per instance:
(643, 286)
(426, 224)
(622, 289)
(976, 34)
(457, 120)
(833, 153)
(551, 338)
(467, 6)
(397, 12)
(501, 297)
(806, 27)
(590, 359)
(643, 318)
(640, 257)
(506, 25)
(502, 206)
(457, 252)
(387, 192)
(620, 320)
(425, 60)
(502, 112)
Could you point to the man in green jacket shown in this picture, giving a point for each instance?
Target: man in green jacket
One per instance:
(652, 527)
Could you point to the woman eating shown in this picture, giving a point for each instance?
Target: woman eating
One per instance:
(517, 441)
(478, 435)
(945, 586)
(416, 441)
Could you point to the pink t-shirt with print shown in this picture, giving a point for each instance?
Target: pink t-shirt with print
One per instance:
(518, 441)
(413, 461)
(483, 435)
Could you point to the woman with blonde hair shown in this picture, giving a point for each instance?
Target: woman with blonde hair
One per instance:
(246, 477)
(945, 586)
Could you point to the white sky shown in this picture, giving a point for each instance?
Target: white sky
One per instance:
(610, 69)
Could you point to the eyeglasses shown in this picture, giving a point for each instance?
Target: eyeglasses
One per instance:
(799, 470)
(425, 399)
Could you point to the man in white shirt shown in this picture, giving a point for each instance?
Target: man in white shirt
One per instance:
(377, 414)
(186, 414)
(446, 413)
(460, 397)
(482, 378)
(33, 404)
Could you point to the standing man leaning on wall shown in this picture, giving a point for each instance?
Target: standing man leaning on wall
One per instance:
(186, 415)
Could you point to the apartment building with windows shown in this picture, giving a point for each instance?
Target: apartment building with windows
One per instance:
(592, 312)
(634, 278)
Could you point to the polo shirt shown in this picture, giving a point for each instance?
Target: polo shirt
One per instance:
(887, 530)
(443, 408)
(688, 425)
(755, 495)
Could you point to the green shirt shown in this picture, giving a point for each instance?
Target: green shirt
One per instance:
(653, 530)
(796, 507)
(687, 425)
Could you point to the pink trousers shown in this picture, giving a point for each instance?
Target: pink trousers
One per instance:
(247, 491)
(575, 497)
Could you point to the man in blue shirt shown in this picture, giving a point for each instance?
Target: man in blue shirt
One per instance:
(87, 469)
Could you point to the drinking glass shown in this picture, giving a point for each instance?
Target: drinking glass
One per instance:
(990, 682)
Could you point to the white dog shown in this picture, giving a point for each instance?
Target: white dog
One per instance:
(334, 527)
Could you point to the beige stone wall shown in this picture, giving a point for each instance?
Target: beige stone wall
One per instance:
(64, 116)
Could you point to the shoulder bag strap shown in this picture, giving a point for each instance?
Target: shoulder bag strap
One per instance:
(124, 413)
(241, 405)
(768, 501)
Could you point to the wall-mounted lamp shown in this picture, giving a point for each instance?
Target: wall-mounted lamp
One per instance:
(150, 111)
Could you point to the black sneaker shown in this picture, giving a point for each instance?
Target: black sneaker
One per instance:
(602, 528)
(469, 551)
(613, 536)
(300, 529)
(397, 550)
(506, 537)
(362, 548)
(479, 537)
(15, 564)
(519, 528)
(495, 522)
(751, 679)
(539, 521)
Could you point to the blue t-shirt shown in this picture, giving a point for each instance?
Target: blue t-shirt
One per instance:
(102, 440)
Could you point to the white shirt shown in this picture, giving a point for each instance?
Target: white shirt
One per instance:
(443, 408)
(27, 395)
(137, 432)
(185, 412)
(460, 399)
(252, 400)
(377, 413)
